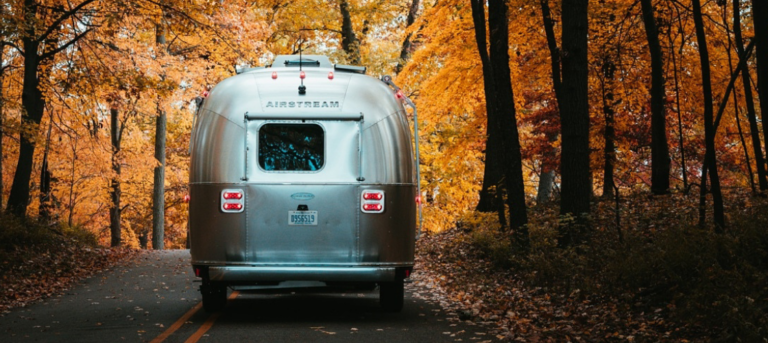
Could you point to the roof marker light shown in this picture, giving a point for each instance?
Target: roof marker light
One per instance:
(330, 75)
(205, 94)
(302, 75)
(400, 94)
(274, 75)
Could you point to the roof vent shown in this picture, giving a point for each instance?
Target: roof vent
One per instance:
(350, 69)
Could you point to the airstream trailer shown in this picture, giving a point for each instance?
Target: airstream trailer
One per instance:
(303, 171)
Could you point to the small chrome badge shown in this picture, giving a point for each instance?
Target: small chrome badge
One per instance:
(302, 196)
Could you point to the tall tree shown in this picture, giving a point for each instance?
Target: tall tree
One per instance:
(609, 132)
(710, 162)
(762, 173)
(490, 193)
(33, 37)
(511, 157)
(115, 189)
(547, 176)
(158, 194)
(574, 110)
(760, 21)
(349, 42)
(660, 162)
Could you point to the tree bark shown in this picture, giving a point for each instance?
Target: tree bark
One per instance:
(490, 193)
(349, 42)
(44, 210)
(760, 20)
(659, 148)
(407, 48)
(574, 109)
(609, 133)
(115, 190)
(546, 179)
(158, 192)
(762, 177)
(709, 129)
(511, 157)
(681, 142)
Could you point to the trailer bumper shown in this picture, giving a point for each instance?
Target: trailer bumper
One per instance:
(326, 274)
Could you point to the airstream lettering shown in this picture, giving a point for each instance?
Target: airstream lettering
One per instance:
(307, 177)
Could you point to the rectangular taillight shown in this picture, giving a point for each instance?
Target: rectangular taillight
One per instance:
(372, 201)
(232, 200)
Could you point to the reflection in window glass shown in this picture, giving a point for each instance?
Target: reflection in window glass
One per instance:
(291, 147)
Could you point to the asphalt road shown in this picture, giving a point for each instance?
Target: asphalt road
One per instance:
(155, 299)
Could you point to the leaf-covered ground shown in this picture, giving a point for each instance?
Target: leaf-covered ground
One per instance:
(33, 272)
(449, 270)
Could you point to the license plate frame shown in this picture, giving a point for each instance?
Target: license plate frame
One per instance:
(302, 218)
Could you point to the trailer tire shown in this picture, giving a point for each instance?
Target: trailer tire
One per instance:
(391, 295)
(214, 297)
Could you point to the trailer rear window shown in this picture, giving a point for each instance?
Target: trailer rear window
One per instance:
(291, 147)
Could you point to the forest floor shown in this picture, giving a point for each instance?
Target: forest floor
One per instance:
(37, 262)
(667, 280)
(478, 291)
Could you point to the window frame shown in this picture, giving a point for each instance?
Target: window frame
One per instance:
(292, 122)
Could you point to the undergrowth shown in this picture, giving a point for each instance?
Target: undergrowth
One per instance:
(663, 260)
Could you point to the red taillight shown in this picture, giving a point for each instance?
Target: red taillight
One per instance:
(232, 195)
(330, 75)
(197, 272)
(232, 200)
(233, 206)
(302, 75)
(372, 201)
(373, 196)
(274, 75)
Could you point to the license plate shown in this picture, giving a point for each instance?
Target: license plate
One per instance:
(302, 217)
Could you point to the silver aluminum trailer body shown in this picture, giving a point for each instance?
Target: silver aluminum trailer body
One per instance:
(318, 186)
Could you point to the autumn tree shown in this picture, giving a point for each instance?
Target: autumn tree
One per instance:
(574, 114)
(710, 162)
(659, 148)
(762, 177)
(40, 24)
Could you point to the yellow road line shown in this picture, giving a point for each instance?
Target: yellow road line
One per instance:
(177, 324)
(208, 323)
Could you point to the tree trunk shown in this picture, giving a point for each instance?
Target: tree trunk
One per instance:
(609, 134)
(349, 42)
(659, 148)
(760, 19)
(158, 196)
(158, 193)
(407, 48)
(709, 129)
(681, 143)
(33, 104)
(490, 193)
(574, 110)
(44, 210)
(115, 191)
(762, 177)
(2, 118)
(511, 157)
(546, 180)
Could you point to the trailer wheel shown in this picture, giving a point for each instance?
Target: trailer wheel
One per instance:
(391, 295)
(214, 297)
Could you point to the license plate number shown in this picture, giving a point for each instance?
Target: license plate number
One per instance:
(302, 217)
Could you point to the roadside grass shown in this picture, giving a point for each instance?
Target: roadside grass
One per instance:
(664, 263)
(37, 261)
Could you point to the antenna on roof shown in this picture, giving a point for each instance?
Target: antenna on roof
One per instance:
(302, 88)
